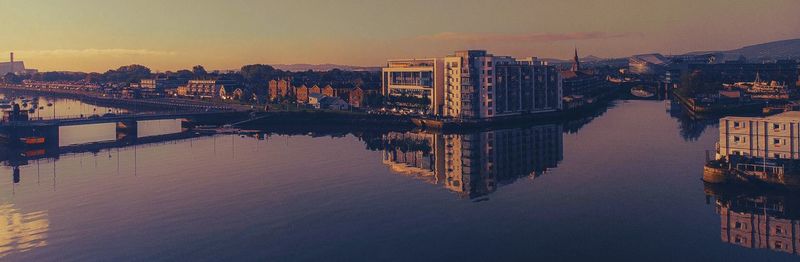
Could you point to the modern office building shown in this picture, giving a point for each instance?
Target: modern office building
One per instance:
(414, 83)
(479, 85)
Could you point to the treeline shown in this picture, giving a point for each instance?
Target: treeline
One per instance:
(256, 75)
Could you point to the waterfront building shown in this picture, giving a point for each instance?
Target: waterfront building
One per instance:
(479, 85)
(773, 137)
(415, 83)
(207, 88)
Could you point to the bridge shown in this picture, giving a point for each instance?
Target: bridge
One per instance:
(117, 118)
(48, 128)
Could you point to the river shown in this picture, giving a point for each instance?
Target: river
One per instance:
(624, 185)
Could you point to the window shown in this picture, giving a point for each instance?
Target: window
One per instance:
(489, 64)
(778, 230)
(776, 141)
(778, 244)
(738, 225)
(736, 125)
(490, 112)
(736, 139)
(776, 155)
(489, 72)
(490, 96)
(776, 126)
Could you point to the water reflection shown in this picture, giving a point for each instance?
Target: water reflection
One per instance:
(758, 218)
(21, 232)
(474, 165)
(691, 127)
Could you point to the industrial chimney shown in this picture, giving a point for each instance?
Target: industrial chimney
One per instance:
(12, 63)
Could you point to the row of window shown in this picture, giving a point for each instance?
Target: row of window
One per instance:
(743, 139)
(742, 124)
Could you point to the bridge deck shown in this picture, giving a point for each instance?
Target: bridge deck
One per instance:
(73, 121)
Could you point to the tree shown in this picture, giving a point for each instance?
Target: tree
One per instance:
(199, 71)
(130, 73)
(12, 78)
(258, 75)
(184, 74)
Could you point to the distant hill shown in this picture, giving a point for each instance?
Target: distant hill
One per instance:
(784, 49)
(323, 67)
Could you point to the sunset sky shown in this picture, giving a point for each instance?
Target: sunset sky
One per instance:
(88, 35)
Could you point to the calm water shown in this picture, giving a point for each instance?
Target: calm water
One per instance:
(60, 107)
(625, 185)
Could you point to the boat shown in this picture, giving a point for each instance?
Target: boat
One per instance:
(641, 92)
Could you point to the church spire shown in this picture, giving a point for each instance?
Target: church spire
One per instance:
(576, 63)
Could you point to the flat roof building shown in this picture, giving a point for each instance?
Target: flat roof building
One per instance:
(480, 85)
(405, 80)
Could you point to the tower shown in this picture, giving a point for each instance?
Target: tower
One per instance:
(576, 63)
(11, 65)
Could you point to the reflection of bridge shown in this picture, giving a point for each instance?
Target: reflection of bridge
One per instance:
(126, 123)
(19, 156)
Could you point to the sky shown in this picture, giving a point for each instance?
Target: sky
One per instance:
(97, 35)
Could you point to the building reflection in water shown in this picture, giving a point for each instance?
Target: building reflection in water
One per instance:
(758, 218)
(21, 232)
(474, 165)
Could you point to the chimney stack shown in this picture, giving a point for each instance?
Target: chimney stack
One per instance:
(12, 62)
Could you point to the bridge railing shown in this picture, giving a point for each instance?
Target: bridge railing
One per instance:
(127, 114)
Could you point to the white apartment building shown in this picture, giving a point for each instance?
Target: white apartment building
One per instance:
(773, 137)
(415, 78)
(478, 85)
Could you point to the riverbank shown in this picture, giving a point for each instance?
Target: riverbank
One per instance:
(702, 110)
(600, 103)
